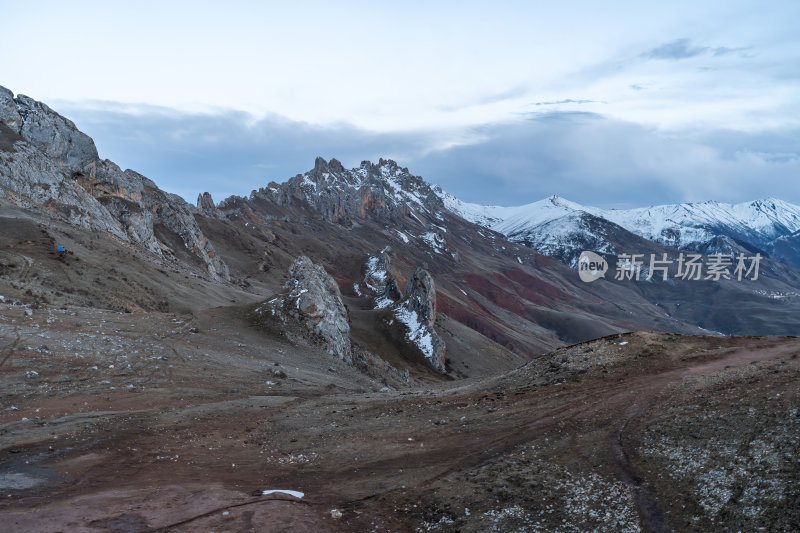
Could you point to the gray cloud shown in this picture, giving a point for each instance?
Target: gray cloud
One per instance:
(598, 161)
(566, 101)
(581, 156)
(724, 50)
(677, 49)
(684, 49)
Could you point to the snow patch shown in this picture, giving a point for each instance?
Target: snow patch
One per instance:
(383, 302)
(434, 240)
(294, 493)
(418, 333)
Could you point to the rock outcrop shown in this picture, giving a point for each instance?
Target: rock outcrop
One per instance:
(30, 179)
(313, 302)
(55, 136)
(420, 296)
(379, 282)
(46, 162)
(417, 310)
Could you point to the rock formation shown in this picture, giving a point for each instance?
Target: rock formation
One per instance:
(417, 310)
(379, 281)
(343, 196)
(314, 302)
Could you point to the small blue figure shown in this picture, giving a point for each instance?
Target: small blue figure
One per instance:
(61, 249)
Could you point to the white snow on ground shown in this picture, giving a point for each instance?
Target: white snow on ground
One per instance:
(418, 333)
(297, 296)
(394, 183)
(402, 236)
(294, 493)
(309, 182)
(434, 240)
(375, 278)
(383, 302)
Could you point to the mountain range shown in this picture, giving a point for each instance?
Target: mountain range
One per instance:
(505, 274)
(770, 225)
(357, 350)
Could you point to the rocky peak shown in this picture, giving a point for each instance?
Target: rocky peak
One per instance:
(383, 190)
(321, 166)
(48, 131)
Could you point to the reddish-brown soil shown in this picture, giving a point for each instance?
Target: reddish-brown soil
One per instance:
(155, 422)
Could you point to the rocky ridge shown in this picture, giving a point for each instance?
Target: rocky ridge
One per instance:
(45, 160)
(383, 190)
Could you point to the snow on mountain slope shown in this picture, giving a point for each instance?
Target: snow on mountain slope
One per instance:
(683, 225)
(689, 225)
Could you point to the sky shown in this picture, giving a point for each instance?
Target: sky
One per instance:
(612, 104)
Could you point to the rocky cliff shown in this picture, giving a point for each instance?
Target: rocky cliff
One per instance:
(46, 162)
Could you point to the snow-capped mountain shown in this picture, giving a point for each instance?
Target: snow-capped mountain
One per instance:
(552, 225)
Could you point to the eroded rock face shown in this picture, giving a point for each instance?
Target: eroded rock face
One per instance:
(46, 162)
(30, 179)
(417, 310)
(315, 303)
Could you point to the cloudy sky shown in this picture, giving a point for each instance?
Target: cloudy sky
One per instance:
(614, 104)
